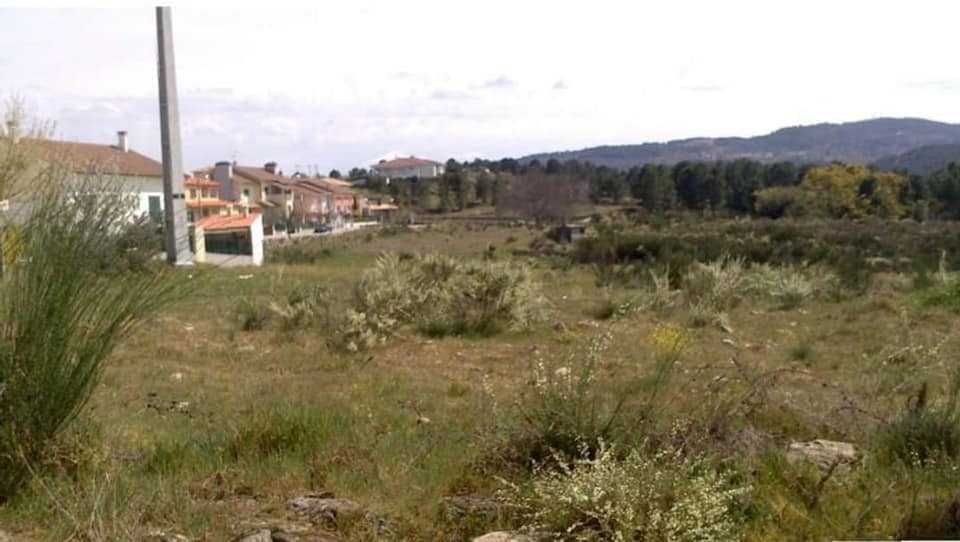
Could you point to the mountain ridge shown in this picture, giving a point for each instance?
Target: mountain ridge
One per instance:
(863, 141)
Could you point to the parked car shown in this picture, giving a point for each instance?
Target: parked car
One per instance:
(322, 228)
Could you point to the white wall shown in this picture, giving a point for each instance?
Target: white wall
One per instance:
(424, 172)
(143, 187)
(256, 239)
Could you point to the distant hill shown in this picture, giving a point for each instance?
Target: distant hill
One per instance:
(854, 142)
(922, 160)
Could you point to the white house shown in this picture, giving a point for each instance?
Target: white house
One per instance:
(401, 168)
(138, 175)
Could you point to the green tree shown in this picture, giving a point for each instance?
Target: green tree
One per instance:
(654, 188)
(334, 174)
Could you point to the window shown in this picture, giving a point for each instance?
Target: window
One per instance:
(154, 208)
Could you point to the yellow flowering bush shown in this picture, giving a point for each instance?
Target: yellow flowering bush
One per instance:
(669, 342)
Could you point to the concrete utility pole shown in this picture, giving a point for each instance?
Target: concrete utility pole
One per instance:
(174, 204)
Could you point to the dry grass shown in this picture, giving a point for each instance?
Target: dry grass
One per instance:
(213, 428)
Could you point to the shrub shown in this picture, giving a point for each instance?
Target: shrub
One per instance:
(789, 286)
(440, 295)
(61, 314)
(611, 308)
(251, 315)
(567, 406)
(663, 496)
(305, 305)
(659, 295)
(718, 285)
(779, 201)
(925, 432)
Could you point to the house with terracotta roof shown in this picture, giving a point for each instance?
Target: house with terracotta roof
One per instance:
(240, 235)
(402, 168)
(202, 195)
(285, 201)
(137, 174)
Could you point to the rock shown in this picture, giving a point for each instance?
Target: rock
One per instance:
(729, 342)
(461, 508)
(260, 535)
(324, 506)
(155, 536)
(823, 453)
(503, 536)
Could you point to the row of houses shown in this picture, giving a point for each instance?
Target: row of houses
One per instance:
(232, 206)
(287, 203)
(284, 203)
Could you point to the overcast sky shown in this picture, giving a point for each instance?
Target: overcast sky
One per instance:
(341, 85)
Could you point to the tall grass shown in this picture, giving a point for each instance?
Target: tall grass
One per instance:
(63, 308)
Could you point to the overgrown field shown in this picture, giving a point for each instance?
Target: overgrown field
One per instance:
(646, 384)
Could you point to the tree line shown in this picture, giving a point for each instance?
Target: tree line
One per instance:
(736, 187)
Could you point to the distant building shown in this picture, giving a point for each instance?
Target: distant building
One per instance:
(401, 168)
(203, 198)
(287, 202)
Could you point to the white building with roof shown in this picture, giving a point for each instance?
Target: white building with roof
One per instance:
(401, 168)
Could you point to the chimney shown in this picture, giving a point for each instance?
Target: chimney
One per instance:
(13, 130)
(270, 167)
(122, 142)
(223, 174)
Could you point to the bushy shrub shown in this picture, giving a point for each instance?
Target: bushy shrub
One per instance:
(790, 286)
(250, 314)
(659, 295)
(567, 406)
(62, 313)
(714, 288)
(779, 201)
(441, 296)
(662, 496)
(304, 306)
(925, 431)
(718, 285)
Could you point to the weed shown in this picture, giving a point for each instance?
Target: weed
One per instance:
(658, 497)
(251, 315)
(925, 432)
(802, 352)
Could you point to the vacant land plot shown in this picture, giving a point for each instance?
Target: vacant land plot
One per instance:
(523, 385)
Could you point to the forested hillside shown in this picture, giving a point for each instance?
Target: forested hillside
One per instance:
(922, 160)
(861, 142)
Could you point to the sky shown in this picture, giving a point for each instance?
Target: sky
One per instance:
(341, 84)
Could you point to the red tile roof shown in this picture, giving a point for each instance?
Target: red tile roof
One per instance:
(195, 182)
(260, 175)
(235, 222)
(94, 158)
(402, 163)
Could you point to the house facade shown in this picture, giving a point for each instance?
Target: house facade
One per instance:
(285, 201)
(137, 175)
(401, 168)
(202, 196)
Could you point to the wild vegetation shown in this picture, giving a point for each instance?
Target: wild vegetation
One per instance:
(653, 381)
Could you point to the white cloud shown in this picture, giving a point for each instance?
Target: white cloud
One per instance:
(338, 83)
